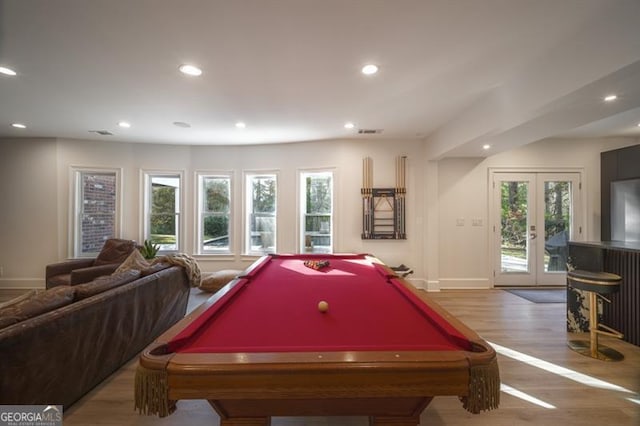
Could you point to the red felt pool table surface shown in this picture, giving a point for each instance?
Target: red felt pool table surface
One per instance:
(260, 348)
(275, 309)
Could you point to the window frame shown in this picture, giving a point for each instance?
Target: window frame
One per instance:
(302, 208)
(75, 223)
(248, 207)
(146, 181)
(200, 213)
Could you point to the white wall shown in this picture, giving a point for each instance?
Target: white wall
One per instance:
(49, 162)
(34, 189)
(28, 213)
(465, 252)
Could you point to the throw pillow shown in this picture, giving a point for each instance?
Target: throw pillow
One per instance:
(134, 261)
(217, 280)
(115, 250)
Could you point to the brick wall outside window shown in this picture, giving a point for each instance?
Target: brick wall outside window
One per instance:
(98, 210)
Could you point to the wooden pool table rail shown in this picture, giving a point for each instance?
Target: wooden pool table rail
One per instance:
(393, 387)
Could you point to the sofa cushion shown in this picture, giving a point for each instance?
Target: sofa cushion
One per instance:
(38, 304)
(155, 268)
(105, 283)
(7, 321)
(58, 280)
(17, 299)
(115, 250)
(217, 280)
(134, 261)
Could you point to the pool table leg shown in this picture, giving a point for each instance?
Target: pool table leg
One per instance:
(394, 421)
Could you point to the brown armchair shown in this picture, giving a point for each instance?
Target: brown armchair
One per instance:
(78, 271)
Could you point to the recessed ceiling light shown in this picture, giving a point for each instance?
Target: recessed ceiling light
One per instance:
(610, 98)
(18, 125)
(190, 70)
(240, 125)
(485, 147)
(124, 124)
(349, 126)
(7, 71)
(369, 69)
(181, 124)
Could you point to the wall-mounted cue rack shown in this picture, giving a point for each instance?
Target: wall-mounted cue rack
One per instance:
(383, 209)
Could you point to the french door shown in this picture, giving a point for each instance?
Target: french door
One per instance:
(534, 215)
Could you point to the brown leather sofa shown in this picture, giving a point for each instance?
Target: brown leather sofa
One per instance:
(57, 356)
(78, 271)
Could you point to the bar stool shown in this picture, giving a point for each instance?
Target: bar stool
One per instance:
(595, 284)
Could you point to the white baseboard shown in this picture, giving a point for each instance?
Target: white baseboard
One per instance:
(433, 285)
(424, 284)
(417, 283)
(22, 283)
(465, 283)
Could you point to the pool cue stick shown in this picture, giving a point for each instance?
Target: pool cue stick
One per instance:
(404, 196)
(370, 191)
(364, 172)
(395, 200)
(364, 197)
(400, 192)
(404, 172)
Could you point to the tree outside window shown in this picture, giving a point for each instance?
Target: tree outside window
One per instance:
(261, 213)
(163, 215)
(317, 212)
(215, 214)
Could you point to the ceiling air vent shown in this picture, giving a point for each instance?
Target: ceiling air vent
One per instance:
(102, 132)
(369, 131)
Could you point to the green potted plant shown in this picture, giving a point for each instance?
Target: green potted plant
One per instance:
(149, 250)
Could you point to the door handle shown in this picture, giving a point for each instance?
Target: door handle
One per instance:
(533, 235)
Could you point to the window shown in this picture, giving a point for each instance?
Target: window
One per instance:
(260, 225)
(96, 209)
(316, 212)
(214, 207)
(162, 210)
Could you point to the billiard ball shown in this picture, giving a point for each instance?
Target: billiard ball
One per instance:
(323, 306)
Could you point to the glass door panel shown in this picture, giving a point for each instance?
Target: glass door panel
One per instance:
(527, 206)
(558, 196)
(557, 225)
(514, 208)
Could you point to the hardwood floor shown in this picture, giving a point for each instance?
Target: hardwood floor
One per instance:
(513, 323)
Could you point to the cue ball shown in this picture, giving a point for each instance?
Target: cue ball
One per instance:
(323, 306)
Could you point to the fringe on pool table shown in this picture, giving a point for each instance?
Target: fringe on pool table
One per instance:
(484, 388)
(151, 390)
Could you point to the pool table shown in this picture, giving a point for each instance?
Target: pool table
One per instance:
(262, 347)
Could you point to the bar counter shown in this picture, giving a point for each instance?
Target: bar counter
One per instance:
(618, 257)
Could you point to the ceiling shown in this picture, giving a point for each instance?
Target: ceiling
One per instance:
(455, 73)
